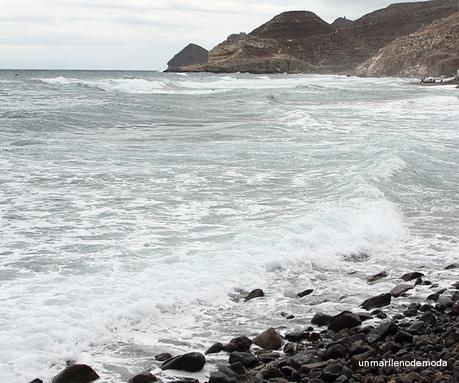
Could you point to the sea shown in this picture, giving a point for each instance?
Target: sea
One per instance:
(137, 208)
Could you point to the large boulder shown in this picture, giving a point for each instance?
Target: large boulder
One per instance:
(240, 343)
(346, 319)
(76, 373)
(191, 362)
(377, 302)
(269, 340)
(143, 377)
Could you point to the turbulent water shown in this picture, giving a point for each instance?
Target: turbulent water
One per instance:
(136, 207)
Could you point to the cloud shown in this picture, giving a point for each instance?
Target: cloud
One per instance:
(161, 26)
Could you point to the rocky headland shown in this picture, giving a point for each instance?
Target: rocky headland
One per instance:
(434, 51)
(301, 42)
(192, 54)
(416, 343)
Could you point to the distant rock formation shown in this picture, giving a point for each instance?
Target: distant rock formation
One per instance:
(191, 55)
(379, 28)
(293, 42)
(432, 51)
(301, 42)
(341, 22)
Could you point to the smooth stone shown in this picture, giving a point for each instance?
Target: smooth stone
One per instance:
(403, 337)
(380, 332)
(143, 377)
(76, 373)
(245, 358)
(257, 293)
(335, 351)
(37, 381)
(305, 293)
(416, 326)
(377, 301)
(269, 340)
(190, 362)
(399, 290)
(223, 375)
(163, 357)
(346, 319)
(215, 348)
(452, 266)
(296, 336)
(410, 276)
(376, 277)
(240, 343)
(321, 319)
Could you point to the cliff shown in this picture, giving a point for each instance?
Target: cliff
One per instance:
(433, 50)
(192, 54)
(293, 42)
(379, 28)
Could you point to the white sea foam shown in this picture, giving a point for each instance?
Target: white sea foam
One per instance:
(129, 228)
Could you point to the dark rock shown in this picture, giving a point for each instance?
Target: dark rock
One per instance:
(238, 368)
(335, 351)
(416, 326)
(410, 276)
(37, 381)
(245, 358)
(289, 348)
(376, 277)
(163, 357)
(314, 337)
(257, 293)
(223, 375)
(287, 316)
(452, 266)
(296, 336)
(379, 314)
(365, 316)
(455, 309)
(270, 372)
(76, 373)
(215, 348)
(331, 372)
(428, 317)
(241, 343)
(444, 302)
(192, 54)
(191, 362)
(305, 293)
(346, 319)
(269, 340)
(266, 357)
(144, 377)
(399, 290)
(380, 332)
(403, 337)
(321, 319)
(377, 301)
(410, 312)
(389, 347)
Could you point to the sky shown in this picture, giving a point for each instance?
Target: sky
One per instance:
(137, 34)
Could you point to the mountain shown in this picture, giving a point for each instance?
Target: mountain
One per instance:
(379, 28)
(341, 22)
(301, 42)
(192, 54)
(433, 50)
(294, 42)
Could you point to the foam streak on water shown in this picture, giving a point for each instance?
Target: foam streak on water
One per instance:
(134, 206)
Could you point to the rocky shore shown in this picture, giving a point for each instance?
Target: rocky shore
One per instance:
(420, 343)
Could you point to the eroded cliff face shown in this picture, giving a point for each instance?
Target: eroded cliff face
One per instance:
(292, 42)
(433, 50)
(379, 28)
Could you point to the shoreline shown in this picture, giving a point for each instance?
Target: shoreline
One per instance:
(419, 343)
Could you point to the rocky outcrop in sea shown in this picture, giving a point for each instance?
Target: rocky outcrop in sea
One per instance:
(191, 55)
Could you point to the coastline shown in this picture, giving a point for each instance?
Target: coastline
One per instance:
(418, 342)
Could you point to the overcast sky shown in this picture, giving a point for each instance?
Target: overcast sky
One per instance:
(137, 34)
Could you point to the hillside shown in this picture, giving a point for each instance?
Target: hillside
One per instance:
(434, 50)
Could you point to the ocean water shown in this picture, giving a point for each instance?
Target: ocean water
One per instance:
(137, 207)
